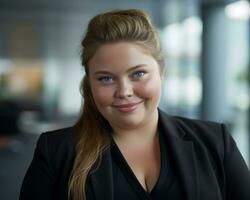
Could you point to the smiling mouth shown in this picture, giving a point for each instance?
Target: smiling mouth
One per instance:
(126, 108)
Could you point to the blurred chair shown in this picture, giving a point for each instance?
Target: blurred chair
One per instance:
(16, 151)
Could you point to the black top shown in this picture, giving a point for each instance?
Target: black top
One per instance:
(127, 186)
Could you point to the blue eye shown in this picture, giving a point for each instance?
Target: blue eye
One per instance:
(105, 79)
(139, 74)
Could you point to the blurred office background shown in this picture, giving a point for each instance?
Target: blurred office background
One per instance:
(206, 47)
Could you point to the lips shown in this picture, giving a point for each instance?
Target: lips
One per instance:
(130, 107)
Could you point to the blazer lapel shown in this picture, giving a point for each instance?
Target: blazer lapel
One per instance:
(102, 178)
(183, 156)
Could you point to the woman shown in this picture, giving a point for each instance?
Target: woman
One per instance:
(123, 146)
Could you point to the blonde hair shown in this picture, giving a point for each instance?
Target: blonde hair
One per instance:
(131, 25)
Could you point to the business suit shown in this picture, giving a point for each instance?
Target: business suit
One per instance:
(207, 159)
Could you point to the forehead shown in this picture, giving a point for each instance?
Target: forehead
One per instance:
(120, 56)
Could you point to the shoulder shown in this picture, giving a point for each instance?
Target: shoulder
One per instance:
(57, 147)
(212, 135)
(193, 126)
(59, 136)
(51, 165)
(57, 140)
(197, 126)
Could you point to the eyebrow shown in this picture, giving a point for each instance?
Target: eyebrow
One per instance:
(130, 69)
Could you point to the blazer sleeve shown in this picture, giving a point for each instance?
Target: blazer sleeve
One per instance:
(39, 180)
(236, 171)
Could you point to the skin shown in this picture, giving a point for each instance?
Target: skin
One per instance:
(122, 73)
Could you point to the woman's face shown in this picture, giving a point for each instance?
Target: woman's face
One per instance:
(126, 83)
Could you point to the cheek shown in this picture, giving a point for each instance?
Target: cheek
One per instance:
(103, 96)
(150, 89)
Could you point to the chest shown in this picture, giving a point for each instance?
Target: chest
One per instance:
(145, 164)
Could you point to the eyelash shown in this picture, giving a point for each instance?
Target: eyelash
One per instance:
(104, 80)
(139, 72)
(107, 79)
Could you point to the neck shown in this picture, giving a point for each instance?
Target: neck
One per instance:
(143, 134)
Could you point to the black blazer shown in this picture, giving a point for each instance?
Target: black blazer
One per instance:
(205, 155)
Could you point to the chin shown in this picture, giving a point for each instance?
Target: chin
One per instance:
(127, 124)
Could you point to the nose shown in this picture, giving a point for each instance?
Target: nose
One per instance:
(124, 89)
